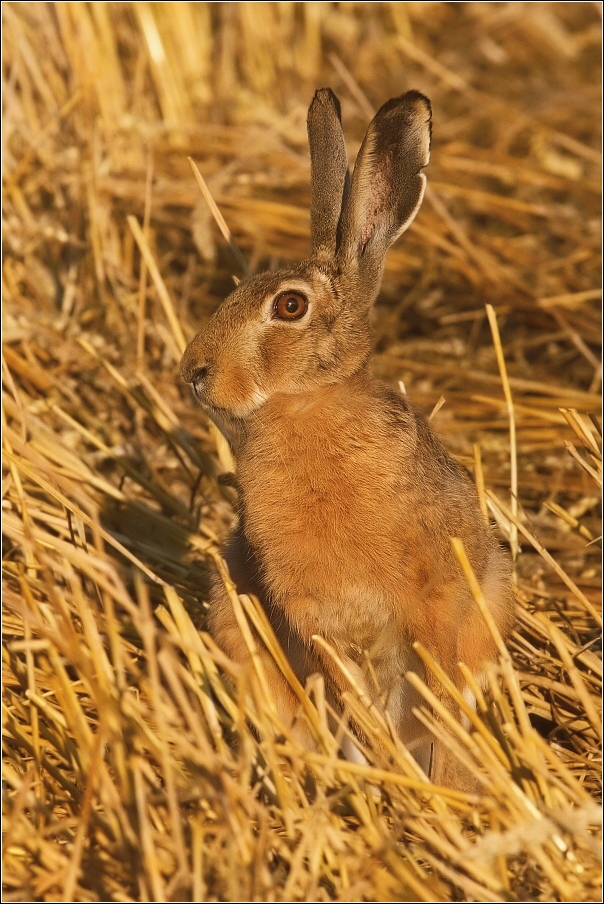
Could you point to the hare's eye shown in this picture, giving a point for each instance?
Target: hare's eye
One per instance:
(290, 306)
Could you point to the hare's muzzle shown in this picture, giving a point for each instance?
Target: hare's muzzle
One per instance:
(194, 369)
(194, 363)
(198, 381)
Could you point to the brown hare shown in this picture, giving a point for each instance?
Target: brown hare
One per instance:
(348, 500)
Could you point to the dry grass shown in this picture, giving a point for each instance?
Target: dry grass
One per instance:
(135, 768)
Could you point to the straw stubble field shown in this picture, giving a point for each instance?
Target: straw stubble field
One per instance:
(140, 764)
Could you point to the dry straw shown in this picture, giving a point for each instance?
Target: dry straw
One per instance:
(139, 762)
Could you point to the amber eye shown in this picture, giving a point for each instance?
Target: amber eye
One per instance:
(290, 306)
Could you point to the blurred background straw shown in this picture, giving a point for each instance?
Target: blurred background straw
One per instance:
(139, 763)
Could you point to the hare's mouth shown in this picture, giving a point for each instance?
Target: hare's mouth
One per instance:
(233, 393)
(237, 409)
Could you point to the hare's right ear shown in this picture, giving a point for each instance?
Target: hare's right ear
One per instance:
(387, 185)
(329, 176)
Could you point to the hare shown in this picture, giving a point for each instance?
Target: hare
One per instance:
(348, 500)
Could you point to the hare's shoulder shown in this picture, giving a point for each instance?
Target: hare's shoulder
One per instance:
(430, 453)
(435, 490)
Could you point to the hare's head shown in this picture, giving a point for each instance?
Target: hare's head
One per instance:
(293, 330)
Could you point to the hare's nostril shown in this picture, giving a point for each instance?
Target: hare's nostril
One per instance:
(199, 375)
(198, 380)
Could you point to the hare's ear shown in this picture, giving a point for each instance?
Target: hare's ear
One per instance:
(387, 183)
(329, 175)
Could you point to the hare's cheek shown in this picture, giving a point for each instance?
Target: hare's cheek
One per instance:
(284, 355)
(235, 390)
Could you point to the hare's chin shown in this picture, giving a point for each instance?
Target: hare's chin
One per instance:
(240, 410)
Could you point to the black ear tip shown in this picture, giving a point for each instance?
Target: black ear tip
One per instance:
(421, 105)
(324, 97)
(414, 102)
(417, 99)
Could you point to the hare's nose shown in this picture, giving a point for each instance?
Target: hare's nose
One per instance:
(198, 379)
(194, 364)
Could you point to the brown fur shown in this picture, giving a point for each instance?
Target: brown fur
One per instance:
(348, 499)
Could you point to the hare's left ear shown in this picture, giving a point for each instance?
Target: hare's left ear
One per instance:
(329, 175)
(387, 183)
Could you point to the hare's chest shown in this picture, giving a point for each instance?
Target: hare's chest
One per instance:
(302, 502)
(319, 514)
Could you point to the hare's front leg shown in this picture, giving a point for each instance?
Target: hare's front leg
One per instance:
(393, 695)
(227, 634)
